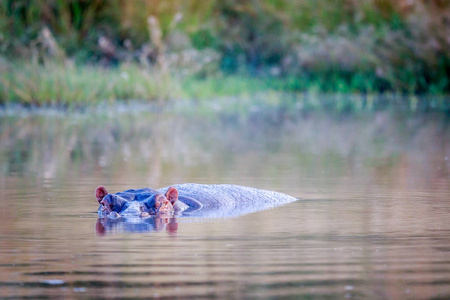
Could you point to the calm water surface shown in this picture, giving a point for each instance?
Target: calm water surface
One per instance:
(372, 221)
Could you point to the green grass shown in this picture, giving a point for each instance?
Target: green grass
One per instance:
(55, 84)
(81, 86)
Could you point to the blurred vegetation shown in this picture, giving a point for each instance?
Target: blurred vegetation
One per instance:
(82, 51)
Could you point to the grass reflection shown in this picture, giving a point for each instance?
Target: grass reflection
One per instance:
(182, 145)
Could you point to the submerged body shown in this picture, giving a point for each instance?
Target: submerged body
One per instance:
(190, 199)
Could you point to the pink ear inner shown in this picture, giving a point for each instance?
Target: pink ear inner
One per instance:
(172, 195)
(100, 192)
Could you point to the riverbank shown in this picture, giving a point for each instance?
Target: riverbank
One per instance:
(72, 86)
(79, 53)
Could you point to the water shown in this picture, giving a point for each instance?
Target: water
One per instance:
(371, 222)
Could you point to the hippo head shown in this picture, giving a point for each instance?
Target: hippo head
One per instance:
(115, 205)
(163, 204)
(109, 203)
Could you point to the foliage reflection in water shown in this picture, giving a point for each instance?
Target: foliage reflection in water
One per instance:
(372, 222)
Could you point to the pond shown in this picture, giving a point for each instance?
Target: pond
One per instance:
(372, 219)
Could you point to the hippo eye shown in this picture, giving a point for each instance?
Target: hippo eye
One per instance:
(111, 206)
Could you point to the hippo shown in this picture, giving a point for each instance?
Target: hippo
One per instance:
(189, 199)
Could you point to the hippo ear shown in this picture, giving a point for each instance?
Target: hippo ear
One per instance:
(100, 192)
(172, 195)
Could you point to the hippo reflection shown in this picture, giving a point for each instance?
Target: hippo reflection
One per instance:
(126, 224)
(134, 206)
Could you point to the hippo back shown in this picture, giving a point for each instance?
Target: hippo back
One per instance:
(224, 200)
